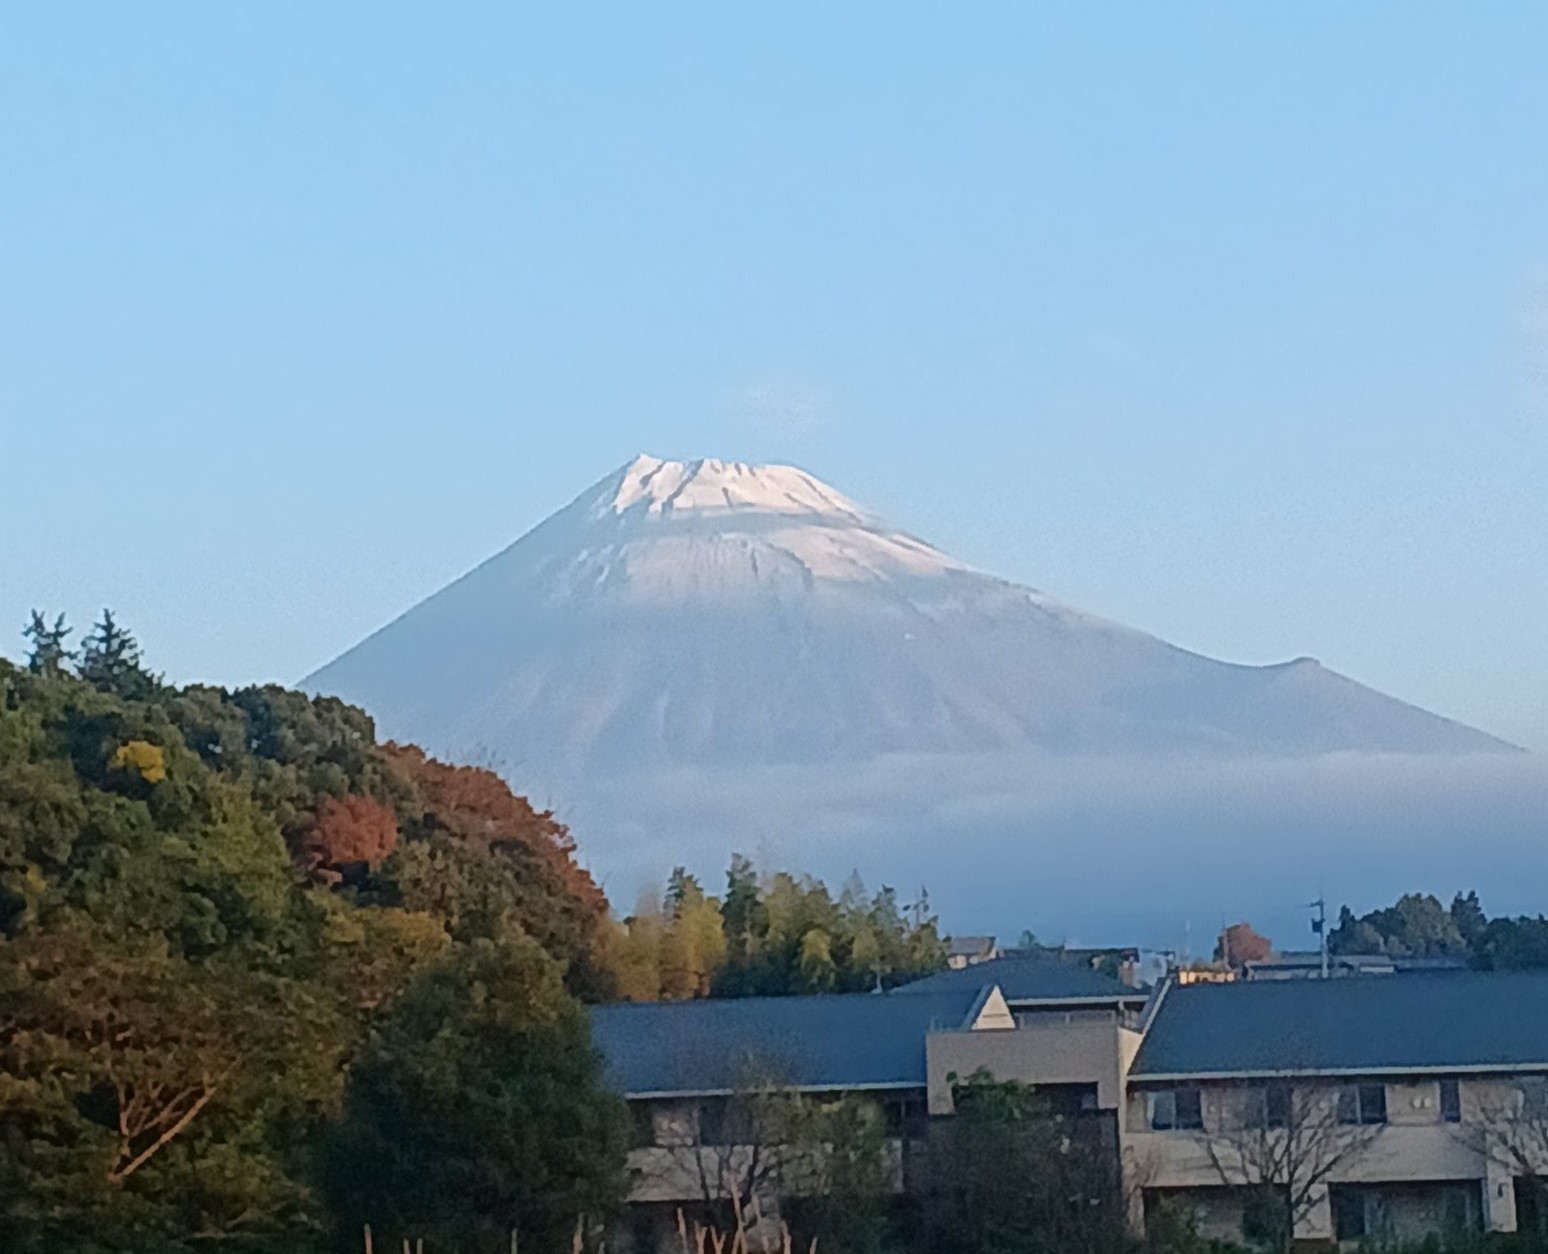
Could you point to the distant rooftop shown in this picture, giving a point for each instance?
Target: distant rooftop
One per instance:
(863, 1040)
(1437, 1021)
(969, 946)
(1298, 961)
(1028, 978)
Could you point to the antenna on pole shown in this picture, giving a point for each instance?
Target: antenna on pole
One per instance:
(1319, 926)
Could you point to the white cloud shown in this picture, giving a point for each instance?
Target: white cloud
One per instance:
(1101, 850)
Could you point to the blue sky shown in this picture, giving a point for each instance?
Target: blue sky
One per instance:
(1228, 321)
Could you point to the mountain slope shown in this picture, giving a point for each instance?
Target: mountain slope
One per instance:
(719, 613)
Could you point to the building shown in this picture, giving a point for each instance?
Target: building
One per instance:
(966, 951)
(1307, 964)
(1365, 1107)
(693, 1071)
(1392, 1107)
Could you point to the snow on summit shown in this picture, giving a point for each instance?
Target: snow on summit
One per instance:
(702, 613)
(713, 486)
(666, 528)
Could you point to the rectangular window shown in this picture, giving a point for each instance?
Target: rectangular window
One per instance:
(1348, 1213)
(1373, 1103)
(1451, 1101)
(1276, 1106)
(905, 1116)
(721, 1122)
(1190, 1108)
(1266, 1106)
(644, 1117)
(1362, 1104)
(1181, 1108)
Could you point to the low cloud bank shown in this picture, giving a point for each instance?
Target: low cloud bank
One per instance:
(1157, 852)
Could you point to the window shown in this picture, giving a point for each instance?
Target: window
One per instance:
(644, 1117)
(1276, 1106)
(1362, 1104)
(1450, 1101)
(905, 1115)
(1266, 1106)
(1359, 1213)
(722, 1122)
(1180, 1108)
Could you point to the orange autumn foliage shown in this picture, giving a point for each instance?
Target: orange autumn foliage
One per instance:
(349, 832)
(477, 806)
(452, 813)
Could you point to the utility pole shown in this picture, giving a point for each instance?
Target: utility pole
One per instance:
(1319, 925)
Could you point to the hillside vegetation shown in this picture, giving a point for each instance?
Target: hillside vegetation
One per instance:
(264, 979)
(261, 976)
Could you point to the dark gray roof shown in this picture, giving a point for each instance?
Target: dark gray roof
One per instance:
(1434, 1020)
(1028, 978)
(859, 1041)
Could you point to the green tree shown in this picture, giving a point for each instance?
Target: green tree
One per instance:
(1355, 936)
(1508, 944)
(110, 660)
(145, 1094)
(693, 942)
(479, 1111)
(1469, 917)
(1007, 1175)
(47, 654)
(746, 920)
(179, 1006)
(1419, 925)
(843, 1198)
(817, 971)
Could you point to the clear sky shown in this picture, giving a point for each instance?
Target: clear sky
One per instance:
(1229, 321)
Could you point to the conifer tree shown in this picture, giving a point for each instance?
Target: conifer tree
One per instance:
(48, 655)
(110, 660)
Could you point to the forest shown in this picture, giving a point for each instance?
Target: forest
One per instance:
(1417, 925)
(265, 979)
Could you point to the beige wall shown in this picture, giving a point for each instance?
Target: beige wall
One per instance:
(1414, 1146)
(1081, 1051)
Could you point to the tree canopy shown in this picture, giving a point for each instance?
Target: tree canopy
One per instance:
(264, 978)
(773, 934)
(232, 926)
(1418, 925)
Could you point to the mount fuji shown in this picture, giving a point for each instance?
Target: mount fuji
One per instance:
(718, 614)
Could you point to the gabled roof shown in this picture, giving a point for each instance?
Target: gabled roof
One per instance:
(1029, 978)
(864, 1040)
(1441, 1021)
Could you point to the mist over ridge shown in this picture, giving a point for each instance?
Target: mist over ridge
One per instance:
(694, 658)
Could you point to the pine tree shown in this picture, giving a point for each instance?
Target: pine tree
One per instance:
(1469, 916)
(49, 655)
(110, 660)
(682, 888)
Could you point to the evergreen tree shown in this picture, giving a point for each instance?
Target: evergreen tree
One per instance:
(48, 655)
(110, 660)
(1469, 917)
(746, 920)
(1010, 1175)
(479, 1112)
(681, 888)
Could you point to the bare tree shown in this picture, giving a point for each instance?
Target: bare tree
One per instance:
(1512, 1127)
(1282, 1141)
(742, 1146)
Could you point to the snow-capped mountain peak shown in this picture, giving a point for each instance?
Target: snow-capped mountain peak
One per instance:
(712, 486)
(688, 613)
(656, 530)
